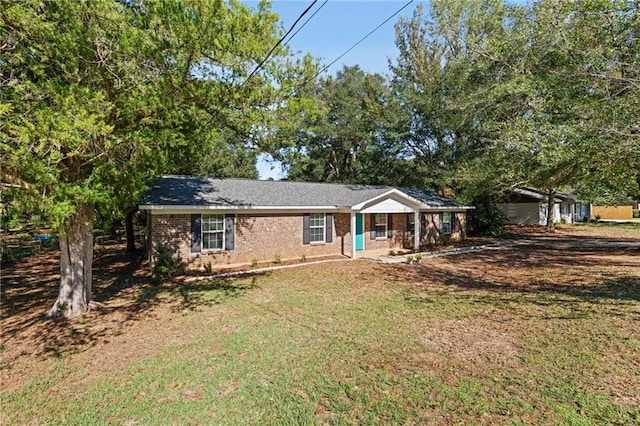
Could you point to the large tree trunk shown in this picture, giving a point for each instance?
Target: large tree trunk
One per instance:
(128, 225)
(76, 259)
(551, 220)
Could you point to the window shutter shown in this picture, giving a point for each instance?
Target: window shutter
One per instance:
(329, 228)
(389, 225)
(410, 226)
(306, 229)
(372, 218)
(229, 231)
(196, 233)
(423, 224)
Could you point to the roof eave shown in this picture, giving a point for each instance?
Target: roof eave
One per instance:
(167, 207)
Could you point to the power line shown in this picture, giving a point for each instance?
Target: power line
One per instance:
(357, 43)
(305, 22)
(278, 43)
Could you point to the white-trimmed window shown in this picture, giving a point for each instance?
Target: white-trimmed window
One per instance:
(317, 227)
(212, 231)
(411, 223)
(445, 223)
(380, 225)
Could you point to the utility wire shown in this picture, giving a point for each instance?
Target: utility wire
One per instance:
(305, 22)
(278, 43)
(356, 44)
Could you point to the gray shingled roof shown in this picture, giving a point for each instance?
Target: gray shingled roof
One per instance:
(200, 191)
(539, 194)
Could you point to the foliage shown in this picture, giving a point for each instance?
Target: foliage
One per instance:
(99, 97)
(277, 258)
(166, 265)
(341, 134)
(102, 96)
(509, 95)
(486, 218)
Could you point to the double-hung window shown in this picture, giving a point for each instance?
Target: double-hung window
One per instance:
(411, 223)
(380, 225)
(317, 227)
(212, 231)
(445, 223)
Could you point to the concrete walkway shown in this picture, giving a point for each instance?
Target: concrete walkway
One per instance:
(570, 242)
(402, 258)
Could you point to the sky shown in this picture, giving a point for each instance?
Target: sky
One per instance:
(336, 27)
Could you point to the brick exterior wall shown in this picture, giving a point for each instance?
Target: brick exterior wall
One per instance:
(259, 237)
(433, 235)
(398, 240)
(263, 236)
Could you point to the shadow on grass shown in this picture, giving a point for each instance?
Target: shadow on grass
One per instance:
(192, 296)
(543, 275)
(124, 293)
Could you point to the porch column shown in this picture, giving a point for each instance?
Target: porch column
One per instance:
(417, 226)
(353, 235)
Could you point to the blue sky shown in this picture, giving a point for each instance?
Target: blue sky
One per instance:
(335, 28)
(338, 25)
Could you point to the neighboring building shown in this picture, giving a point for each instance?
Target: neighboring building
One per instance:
(230, 221)
(528, 206)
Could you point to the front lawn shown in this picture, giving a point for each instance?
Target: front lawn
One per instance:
(530, 334)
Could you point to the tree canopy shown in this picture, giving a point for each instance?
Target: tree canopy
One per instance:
(540, 95)
(100, 96)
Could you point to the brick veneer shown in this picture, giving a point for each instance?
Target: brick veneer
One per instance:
(433, 236)
(259, 237)
(262, 237)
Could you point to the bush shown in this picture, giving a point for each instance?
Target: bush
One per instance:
(636, 213)
(487, 218)
(165, 265)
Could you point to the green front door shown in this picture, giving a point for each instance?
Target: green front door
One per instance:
(359, 231)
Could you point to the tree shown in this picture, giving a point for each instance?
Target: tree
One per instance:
(338, 135)
(98, 97)
(538, 95)
(436, 77)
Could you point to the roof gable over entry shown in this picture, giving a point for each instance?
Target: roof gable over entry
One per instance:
(194, 193)
(393, 201)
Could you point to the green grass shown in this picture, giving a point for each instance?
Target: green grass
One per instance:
(356, 344)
